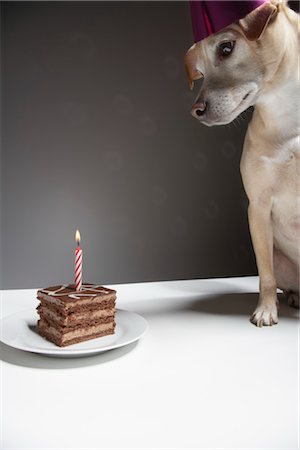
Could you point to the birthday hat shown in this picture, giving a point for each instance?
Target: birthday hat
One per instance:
(208, 17)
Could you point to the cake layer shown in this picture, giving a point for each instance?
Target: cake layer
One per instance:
(65, 310)
(74, 319)
(71, 337)
(75, 325)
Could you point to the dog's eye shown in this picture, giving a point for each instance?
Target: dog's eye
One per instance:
(225, 48)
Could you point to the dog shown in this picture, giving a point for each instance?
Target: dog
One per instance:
(255, 62)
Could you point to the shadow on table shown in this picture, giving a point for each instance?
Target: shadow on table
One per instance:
(238, 304)
(228, 304)
(32, 360)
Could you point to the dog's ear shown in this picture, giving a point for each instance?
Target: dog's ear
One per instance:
(190, 62)
(255, 23)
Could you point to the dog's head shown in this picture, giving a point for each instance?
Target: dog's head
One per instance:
(234, 63)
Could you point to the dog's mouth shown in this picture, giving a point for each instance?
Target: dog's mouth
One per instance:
(242, 106)
(239, 107)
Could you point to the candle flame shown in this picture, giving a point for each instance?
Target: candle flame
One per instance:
(77, 237)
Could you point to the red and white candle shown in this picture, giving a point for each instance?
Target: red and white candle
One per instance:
(78, 263)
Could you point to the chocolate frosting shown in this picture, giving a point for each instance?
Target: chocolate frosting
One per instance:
(67, 292)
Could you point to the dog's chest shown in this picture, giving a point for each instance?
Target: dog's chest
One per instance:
(281, 167)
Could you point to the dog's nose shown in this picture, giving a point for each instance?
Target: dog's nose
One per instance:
(199, 109)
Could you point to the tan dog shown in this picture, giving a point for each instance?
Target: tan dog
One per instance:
(256, 62)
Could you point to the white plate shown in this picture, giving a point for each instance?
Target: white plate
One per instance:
(19, 331)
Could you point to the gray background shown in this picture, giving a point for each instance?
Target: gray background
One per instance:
(97, 135)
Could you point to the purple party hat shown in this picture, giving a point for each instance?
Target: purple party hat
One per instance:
(208, 17)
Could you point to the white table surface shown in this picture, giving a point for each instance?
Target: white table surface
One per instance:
(202, 377)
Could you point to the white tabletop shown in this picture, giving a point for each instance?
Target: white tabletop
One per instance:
(202, 377)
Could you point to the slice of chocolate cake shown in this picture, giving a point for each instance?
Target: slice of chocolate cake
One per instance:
(68, 316)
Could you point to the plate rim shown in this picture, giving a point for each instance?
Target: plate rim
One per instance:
(65, 351)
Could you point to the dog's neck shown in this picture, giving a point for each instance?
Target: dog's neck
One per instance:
(279, 98)
(280, 106)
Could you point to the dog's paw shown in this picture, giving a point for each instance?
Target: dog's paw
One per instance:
(265, 315)
(293, 299)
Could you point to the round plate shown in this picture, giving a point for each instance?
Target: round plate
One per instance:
(19, 330)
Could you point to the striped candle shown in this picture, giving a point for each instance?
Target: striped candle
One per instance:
(78, 263)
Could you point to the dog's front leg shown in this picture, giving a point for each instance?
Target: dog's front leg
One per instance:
(262, 239)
